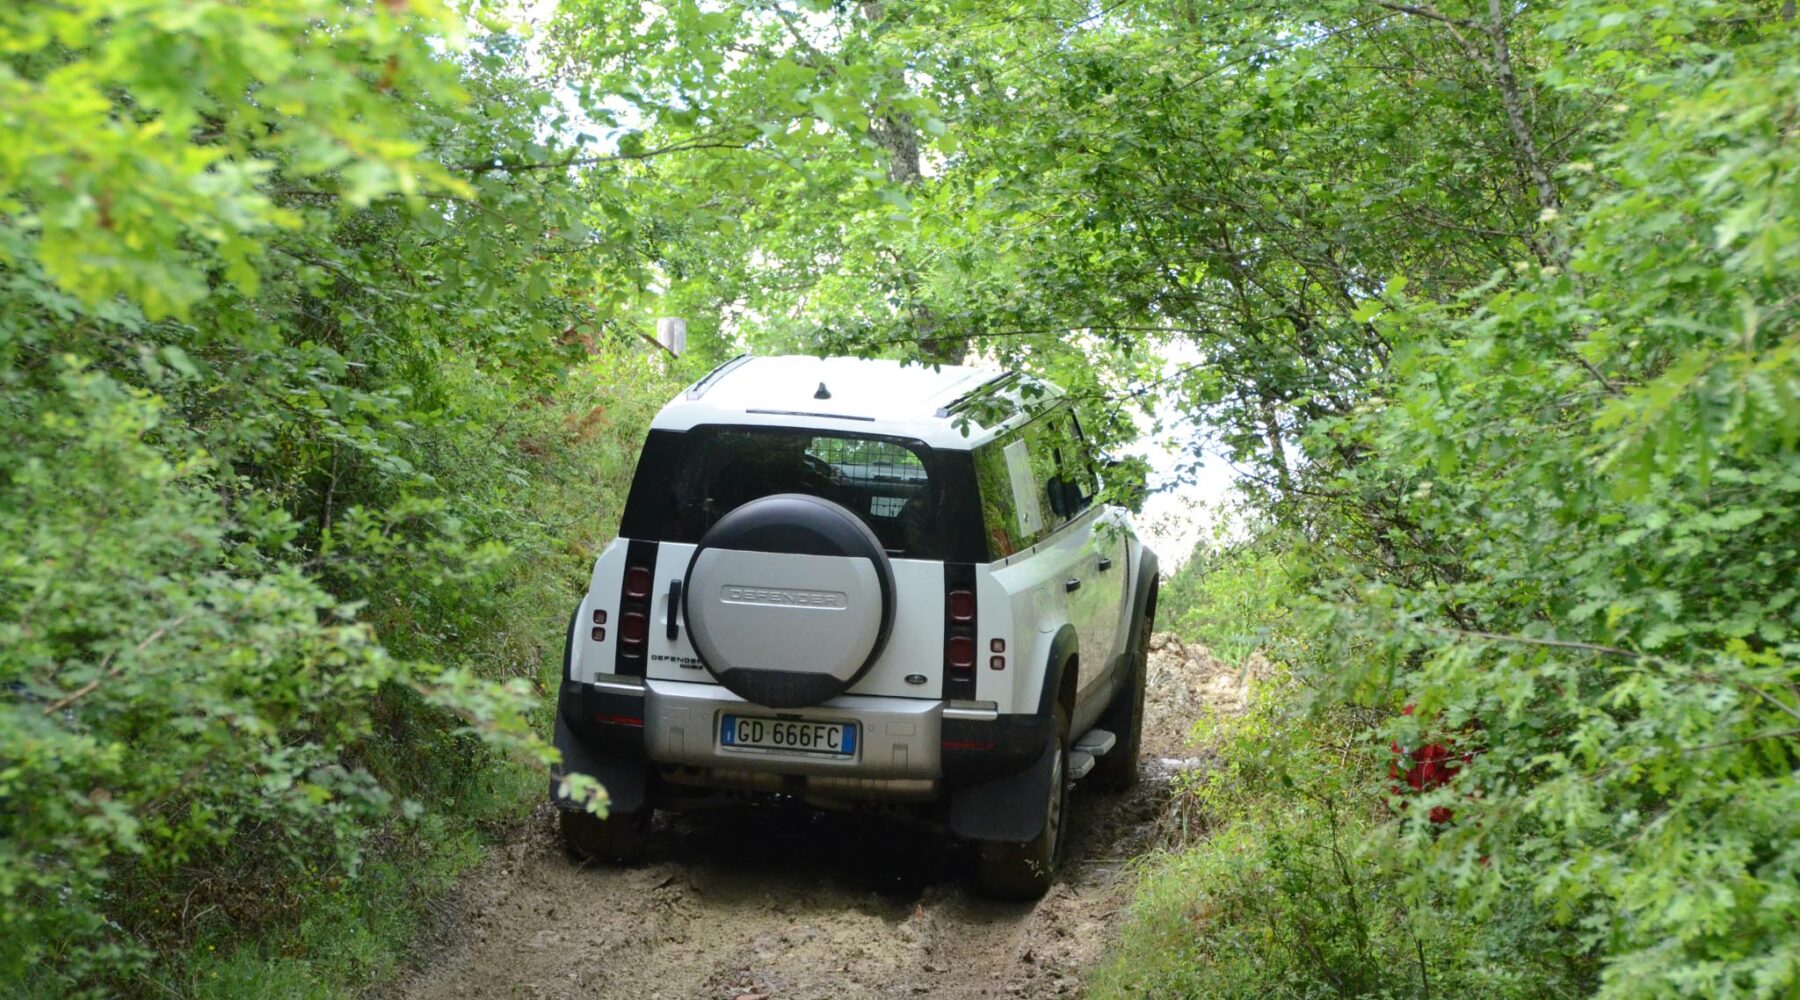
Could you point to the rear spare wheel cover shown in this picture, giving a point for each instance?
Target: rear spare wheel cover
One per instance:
(788, 600)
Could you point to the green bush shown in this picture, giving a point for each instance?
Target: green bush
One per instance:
(1560, 514)
(199, 736)
(1589, 493)
(1301, 885)
(169, 695)
(310, 430)
(1233, 596)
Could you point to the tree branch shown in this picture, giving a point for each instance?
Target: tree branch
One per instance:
(521, 166)
(1428, 13)
(89, 688)
(1515, 112)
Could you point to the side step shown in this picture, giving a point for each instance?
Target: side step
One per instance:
(1095, 744)
(1080, 763)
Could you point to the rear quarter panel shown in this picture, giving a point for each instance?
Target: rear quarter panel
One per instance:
(1022, 601)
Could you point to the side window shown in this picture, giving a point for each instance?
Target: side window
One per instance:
(1006, 516)
(1061, 468)
(1072, 490)
(1045, 447)
(1032, 482)
(1085, 469)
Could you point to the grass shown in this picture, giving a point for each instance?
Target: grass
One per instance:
(1299, 883)
(351, 938)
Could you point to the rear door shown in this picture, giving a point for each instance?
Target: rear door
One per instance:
(688, 480)
(1107, 553)
(1095, 576)
(1078, 557)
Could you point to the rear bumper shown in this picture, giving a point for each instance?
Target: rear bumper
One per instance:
(898, 738)
(905, 741)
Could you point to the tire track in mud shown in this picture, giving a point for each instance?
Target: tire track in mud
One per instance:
(787, 904)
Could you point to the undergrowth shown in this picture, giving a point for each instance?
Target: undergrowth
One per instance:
(346, 930)
(1297, 881)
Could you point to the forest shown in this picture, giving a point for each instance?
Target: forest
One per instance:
(323, 371)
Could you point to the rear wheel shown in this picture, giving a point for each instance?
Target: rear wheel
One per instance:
(620, 837)
(1025, 871)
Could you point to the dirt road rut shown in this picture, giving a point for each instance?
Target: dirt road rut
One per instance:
(785, 904)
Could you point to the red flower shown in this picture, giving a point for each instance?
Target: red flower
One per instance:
(1430, 766)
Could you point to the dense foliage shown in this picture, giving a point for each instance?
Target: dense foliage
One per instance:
(1298, 884)
(1491, 302)
(305, 444)
(1285, 869)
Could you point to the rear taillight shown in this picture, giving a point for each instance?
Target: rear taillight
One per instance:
(960, 605)
(634, 609)
(959, 631)
(637, 583)
(633, 629)
(960, 652)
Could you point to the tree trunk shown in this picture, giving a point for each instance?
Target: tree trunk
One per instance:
(1515, 112)
(1277, 451)
(896, 134)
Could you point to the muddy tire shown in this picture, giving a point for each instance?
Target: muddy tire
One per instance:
(1025, 871)
(1117, 770)
(620, 838)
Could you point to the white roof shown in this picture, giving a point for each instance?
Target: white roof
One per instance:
(864, 395)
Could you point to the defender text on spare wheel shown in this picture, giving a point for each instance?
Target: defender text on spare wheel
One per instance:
(846, 581)
(807, 555)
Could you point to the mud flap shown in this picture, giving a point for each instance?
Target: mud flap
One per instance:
(625, 780)
(1009, 808)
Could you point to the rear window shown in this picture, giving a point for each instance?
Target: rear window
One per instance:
(687, 481)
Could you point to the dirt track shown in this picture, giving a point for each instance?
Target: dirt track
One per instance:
(785, 904)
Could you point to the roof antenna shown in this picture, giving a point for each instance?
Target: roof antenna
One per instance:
(823, 392)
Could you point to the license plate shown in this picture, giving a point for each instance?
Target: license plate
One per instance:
(824, 739)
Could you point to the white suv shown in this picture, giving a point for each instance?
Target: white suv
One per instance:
(849, 581)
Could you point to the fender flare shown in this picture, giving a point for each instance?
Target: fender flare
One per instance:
(1148, 580)
(569, 641)
(1056, 663)
(626, 780)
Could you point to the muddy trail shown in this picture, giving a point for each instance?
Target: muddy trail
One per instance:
(786, 904)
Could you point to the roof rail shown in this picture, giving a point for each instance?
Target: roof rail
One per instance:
(707, 381)
(967, 399)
